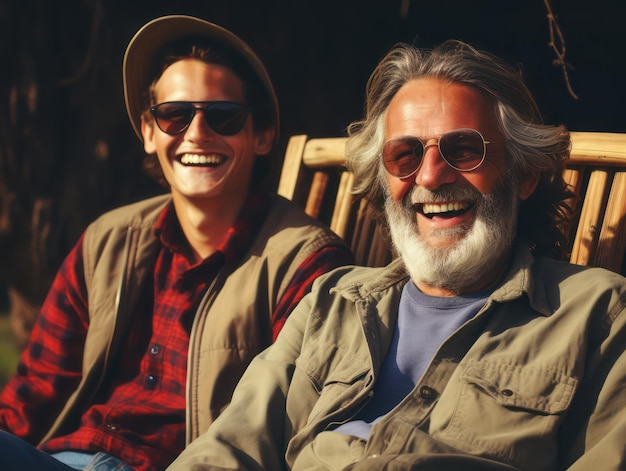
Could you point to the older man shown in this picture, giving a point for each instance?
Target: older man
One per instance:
(476, 348)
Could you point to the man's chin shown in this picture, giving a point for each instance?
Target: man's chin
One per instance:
(442, 244)
(444, 239)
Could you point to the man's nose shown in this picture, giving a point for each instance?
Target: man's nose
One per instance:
(434, 171)
(199, 127)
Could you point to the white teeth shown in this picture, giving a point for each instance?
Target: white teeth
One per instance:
(196, 159)
(443, 208)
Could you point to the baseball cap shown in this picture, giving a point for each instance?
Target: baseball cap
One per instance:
(147, 43)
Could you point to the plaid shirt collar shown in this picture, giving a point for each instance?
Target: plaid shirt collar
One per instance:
(240, 235)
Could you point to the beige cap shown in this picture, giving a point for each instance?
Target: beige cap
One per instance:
(156, 34)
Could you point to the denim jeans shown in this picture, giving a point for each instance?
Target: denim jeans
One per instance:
(18, 455)
(99, 461)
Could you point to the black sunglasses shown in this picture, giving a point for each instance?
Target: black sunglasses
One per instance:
(462, 149)
(224, 117)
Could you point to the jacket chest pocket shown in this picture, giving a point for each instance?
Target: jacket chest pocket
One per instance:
(329, 377)
(507, 411)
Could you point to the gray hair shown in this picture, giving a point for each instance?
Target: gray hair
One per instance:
(533, 148)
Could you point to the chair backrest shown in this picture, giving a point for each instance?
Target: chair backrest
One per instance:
(314, 176)
(596, 172)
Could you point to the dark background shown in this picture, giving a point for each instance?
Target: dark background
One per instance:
(67, 150)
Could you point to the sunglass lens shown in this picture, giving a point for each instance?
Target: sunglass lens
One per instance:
(463, 149)
(226, 118)
(173, 118)
(402, 157)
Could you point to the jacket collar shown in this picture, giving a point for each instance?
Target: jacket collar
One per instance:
(370, 283)
(523, 279)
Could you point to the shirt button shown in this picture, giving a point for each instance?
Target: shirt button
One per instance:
(427, 393)
(155, 349)
(151, 381)
(111, 426)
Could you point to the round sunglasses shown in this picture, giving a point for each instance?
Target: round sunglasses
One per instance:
(462, 149)
(224, 117)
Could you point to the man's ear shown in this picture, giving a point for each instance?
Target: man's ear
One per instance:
(147, 131)
(263, 141)
(528, 185)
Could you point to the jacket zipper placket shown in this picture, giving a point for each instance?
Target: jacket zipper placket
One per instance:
(192, 360)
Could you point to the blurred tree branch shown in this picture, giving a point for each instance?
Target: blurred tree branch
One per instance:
(559, 49)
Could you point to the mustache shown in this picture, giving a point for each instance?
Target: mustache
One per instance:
(446, 193)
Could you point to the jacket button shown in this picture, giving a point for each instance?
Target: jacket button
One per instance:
(155, 349)
(427, 393)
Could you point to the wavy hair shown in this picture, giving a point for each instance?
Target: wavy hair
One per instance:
(533, 148)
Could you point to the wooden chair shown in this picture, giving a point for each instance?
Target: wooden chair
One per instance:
(314, 176)
(596, 171)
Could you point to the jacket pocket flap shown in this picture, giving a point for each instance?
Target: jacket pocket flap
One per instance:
(327, 363)
(524, 387)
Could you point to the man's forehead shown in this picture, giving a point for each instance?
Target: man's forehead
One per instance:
(429, 106)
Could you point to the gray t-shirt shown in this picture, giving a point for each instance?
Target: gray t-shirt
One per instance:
(424, 323)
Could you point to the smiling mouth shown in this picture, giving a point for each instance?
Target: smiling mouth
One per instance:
(446, 210)
(202, 160)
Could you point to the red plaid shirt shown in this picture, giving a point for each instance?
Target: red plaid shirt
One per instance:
(139, 414)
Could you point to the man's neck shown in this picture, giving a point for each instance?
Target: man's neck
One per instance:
(205, 222)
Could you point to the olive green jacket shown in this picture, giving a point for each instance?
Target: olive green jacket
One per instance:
(232, 322)
(535, 381)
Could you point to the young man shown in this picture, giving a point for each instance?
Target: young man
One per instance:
(475, 349)
(161, 305)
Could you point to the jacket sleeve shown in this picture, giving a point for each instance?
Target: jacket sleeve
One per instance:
(50, 366)
(595, 433)
(319, 262)
(448, 461)
(251, 433)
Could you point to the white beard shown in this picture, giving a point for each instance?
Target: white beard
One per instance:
(480, 250)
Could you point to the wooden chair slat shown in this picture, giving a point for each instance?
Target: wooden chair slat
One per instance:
(343, 202)
(613, 232)
(590, 219)
(316, 194)
(292, 167)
